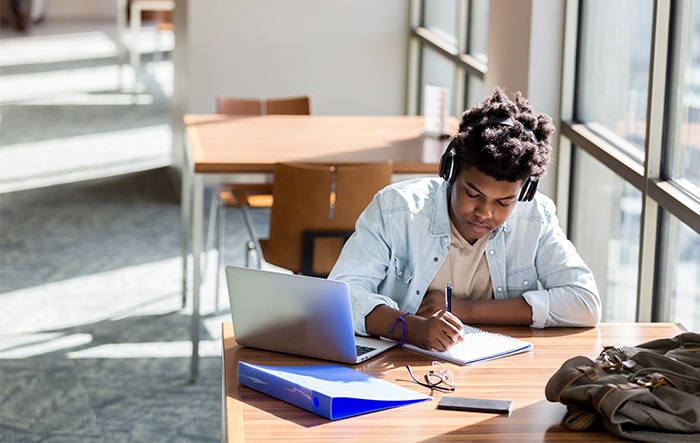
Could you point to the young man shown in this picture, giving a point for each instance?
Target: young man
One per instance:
(481, 228)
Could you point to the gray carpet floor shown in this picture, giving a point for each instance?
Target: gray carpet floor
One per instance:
(94, 341)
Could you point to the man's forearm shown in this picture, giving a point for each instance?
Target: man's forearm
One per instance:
(511, 311)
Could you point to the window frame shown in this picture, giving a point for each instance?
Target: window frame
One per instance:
(465, 64)
(660, 195)
(658, 192)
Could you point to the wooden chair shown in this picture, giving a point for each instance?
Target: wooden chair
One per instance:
(251, 194)
(315, 210)
(136, 7)
(288, 106)
(239, 106)
(300, 105)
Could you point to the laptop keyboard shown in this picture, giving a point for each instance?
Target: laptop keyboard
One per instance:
(361, 350)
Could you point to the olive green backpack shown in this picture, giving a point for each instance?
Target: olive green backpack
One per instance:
(649, 392)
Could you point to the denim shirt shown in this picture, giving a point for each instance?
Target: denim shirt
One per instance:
(402, 238)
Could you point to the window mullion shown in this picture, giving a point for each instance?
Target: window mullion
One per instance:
(463, 20)
(566, 111)
(413, 95)
(649, 230)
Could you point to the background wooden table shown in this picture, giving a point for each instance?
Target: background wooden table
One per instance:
(222, 148)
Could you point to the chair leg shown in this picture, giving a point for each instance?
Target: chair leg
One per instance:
(251, 251)
(253, 244)
(220, 249)
(212, 228)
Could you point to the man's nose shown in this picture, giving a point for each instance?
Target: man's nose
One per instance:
(483, 211)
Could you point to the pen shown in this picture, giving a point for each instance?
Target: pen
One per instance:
(448, 296)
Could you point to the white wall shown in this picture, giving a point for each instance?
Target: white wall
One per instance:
(525, 41)
(79, 9)
(349, 54)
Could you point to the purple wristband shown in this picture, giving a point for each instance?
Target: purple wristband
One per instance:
(404, 329)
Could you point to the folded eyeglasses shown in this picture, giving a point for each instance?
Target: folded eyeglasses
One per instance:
(437, 378)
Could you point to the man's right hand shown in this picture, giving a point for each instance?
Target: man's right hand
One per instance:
(439, 332)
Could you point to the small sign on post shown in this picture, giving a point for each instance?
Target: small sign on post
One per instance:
(435, 110)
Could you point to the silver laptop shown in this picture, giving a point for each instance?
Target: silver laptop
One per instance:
(296, 314)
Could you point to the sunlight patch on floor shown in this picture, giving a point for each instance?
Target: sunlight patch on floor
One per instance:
(25, 346)
(83, 157)
(150, 288)
(54, 84)
(46, 318)
(181, 349)
(29, 50)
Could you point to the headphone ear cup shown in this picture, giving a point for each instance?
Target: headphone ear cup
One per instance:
(448, 165)
(527, 192)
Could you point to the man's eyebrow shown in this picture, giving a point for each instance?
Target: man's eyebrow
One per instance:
(471, 185)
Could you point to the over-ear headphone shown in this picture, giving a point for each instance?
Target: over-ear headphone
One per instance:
(449, 166)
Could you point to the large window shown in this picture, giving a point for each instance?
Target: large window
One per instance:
(449, 50)
(628, 151)
(613, 70)
(635, 210)
(683, 165)
(438, 71)
(681, 266)
(440, 19)
(607, 236)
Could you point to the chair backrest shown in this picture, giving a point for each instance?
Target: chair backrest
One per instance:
(320, 198)
(239, 106)
(288, 106)
(274, 106)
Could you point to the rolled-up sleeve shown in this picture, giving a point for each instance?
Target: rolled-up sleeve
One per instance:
(396, 248)
(363, 264)
(568, 295)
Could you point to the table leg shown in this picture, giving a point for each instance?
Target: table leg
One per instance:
(135, 52)
(121, 26)
(185, 228)
(224, 434)
(197, 209)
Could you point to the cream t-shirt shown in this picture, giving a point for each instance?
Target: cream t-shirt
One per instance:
(467, 269)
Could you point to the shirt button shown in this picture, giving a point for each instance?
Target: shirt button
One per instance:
(446, 240)
(499, 289)
(400, 272)
(525, 282)
(491, 252)
(435, 259)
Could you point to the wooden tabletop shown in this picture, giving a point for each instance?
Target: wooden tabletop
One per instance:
(223, 144)
(255, 417)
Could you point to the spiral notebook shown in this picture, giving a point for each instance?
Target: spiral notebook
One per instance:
(478, 346)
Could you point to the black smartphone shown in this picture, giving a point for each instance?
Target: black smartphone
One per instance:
(475, 405)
